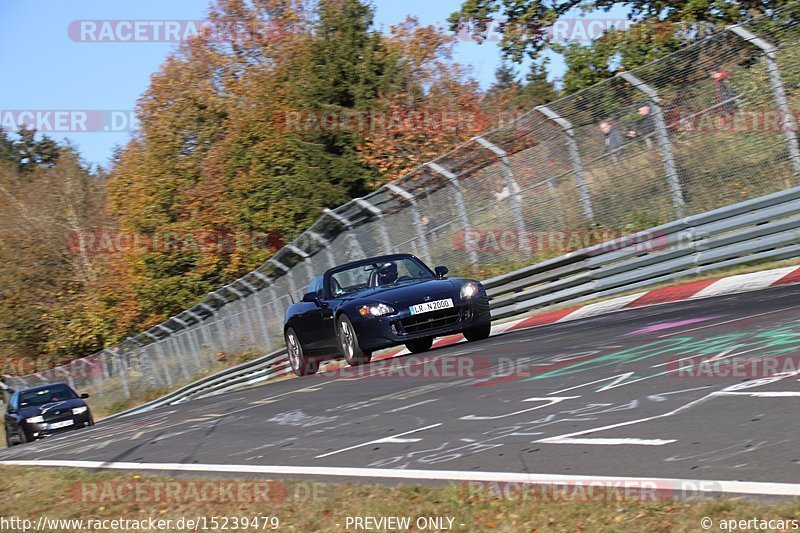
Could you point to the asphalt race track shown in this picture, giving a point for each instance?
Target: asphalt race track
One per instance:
(626, 394)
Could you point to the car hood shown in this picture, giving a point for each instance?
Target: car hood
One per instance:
(412, 292)
(51, 408)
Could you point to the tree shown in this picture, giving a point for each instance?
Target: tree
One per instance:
(434, 106)
(525, 23)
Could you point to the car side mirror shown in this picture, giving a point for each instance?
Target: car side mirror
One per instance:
(11, 410)
(441, 271)
(85, 395)
(311, 297)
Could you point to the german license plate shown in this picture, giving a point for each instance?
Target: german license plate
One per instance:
(62, 424)
(427, 307)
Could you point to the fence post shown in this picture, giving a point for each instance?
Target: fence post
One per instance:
(574, 157)
(325, 243)
(160, 353)
(256, 296)
(288, 273)
(350, 233)
(304, 256)
(188, 344)
(387, 243)
(462, 209)
(664, 143)
(417, 216)
(513, 188)
(788, 126)
(201, 335)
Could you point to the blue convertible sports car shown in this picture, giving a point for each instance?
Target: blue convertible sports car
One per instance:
(354, 309)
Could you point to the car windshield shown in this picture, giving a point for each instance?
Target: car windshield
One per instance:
(43, 396)
(378, 274)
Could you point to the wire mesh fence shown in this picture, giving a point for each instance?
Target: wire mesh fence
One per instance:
(710, 125)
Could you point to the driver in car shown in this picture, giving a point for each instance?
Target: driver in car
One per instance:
(387, 274)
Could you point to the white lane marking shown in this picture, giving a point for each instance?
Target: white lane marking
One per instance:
(744, 282)
(600, 308)
(765, 394)
(660, 396)
(412, 405)
(697, 485)
(381, 440)
(608, 442)
(628, 422)
(549, 401)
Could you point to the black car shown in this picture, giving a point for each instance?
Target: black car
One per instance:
(355, 309)
(42, 411)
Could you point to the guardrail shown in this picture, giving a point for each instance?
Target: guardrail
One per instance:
(260, 369)
(766, 228)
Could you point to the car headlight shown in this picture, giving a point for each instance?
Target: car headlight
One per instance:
(34, 420)
(375, 310)
(79, 410)
(468, 290)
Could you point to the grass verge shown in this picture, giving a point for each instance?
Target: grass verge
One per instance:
(29, 493)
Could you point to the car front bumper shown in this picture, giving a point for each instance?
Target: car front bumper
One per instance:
(44, 429)
(401, 327)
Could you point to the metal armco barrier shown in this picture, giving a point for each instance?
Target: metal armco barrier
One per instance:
(691, 136)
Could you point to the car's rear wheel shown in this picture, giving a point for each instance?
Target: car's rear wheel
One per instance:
(348, 342)
(301, 364)
(420, 345)
(478, 333)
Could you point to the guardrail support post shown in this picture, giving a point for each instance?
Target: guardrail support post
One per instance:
(513, 187)
(574, 156)
(664, 143)
(460, 206)
(351, 234)
(788, 126)
(415, 213)
(387, 243)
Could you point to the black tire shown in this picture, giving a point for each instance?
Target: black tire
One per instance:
(301, 364)
(420, 345)
(348, 343)
(9, 444)
(21, 436)
(478, 333)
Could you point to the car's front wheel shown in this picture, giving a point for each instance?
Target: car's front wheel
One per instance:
(420, 345)
(348, 342)
(478, 333)
(9, 444)
(301, 364)
(21, 436)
